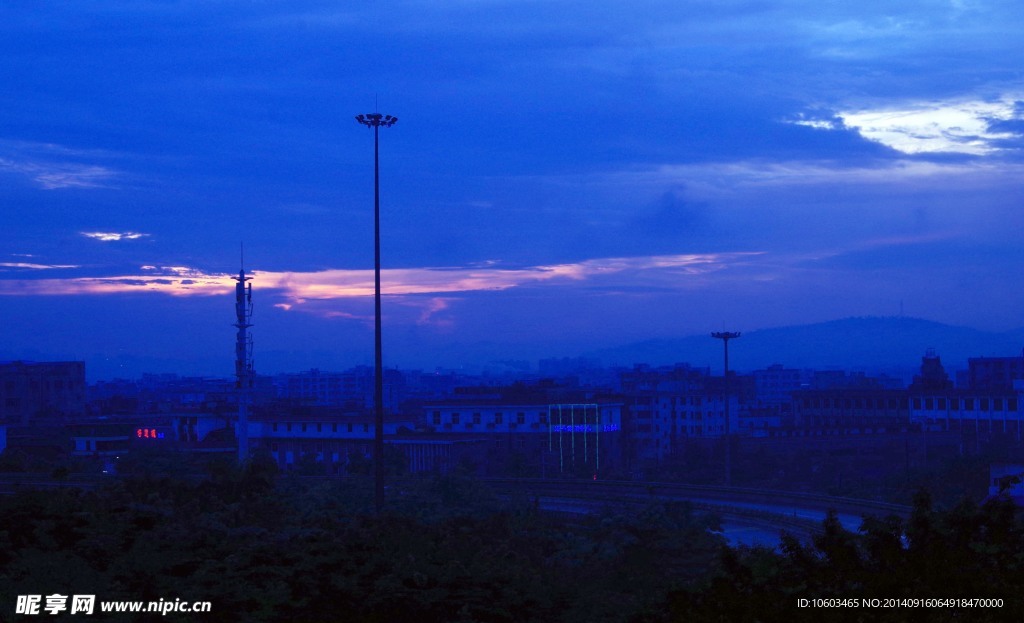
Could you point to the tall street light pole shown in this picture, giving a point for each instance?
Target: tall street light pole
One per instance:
(725, 336)
(377, 121)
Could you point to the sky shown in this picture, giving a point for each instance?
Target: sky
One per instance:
(564, 176)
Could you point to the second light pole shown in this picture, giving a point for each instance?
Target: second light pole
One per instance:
(725, 336)
(377, 121)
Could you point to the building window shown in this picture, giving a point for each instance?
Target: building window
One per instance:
(350, 427)
(366, 428)
(273, 427)
(476, 418)
(303, 427)
(455, 418)
(542, 418)
(437, 418)
(498, 417)
(520, 418)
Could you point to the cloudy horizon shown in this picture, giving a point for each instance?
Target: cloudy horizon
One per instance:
(565, 176)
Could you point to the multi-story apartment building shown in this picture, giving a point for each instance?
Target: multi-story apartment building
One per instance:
(544, 429)
(351, 388)
(665, 406)
(319, 436)
(32, 393)
(993, 373)
(774, 386)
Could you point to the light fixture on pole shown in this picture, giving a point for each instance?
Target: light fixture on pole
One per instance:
(377, 121)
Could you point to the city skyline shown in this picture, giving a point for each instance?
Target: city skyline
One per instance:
(567, 177)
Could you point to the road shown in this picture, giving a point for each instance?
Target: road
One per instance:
(750, 517)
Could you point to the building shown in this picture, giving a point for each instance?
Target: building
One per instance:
(994, 373)
(850, 410)
(103, 439)
(980, 414)
(774, 386)
(542, 428)
(538, 436)
(665, 406)
(319, 438)
(45, 392)
(352, 388)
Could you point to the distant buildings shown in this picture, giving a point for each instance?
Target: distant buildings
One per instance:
(321, 437)
(590, 421)
(993, 373)
(33, 393)
(353, 388)
(544, 431)
(665, 406)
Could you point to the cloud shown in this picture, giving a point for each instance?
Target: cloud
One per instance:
(54, 175)
(109, 236)
(29, 266)
(711, 180)
(295, 289)
(967, 126)
(52, 166)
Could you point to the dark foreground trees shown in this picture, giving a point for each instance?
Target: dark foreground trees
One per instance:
(966, 553)
(264, 548)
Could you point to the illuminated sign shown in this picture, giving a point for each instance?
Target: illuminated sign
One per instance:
(148, 433)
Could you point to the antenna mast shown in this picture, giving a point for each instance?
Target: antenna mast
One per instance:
(243, 357)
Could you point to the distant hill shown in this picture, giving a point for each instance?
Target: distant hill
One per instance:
(874, 344)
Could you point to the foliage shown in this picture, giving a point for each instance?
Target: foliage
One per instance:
(968, 552)
(262, 547)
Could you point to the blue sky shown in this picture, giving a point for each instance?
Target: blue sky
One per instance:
(564, 176)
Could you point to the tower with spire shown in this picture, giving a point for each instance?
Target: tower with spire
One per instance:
(243, 358)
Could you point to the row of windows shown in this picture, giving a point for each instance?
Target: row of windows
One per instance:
(11, 386)
(967, 404)
(855, 403)
(940, 403)
(477, 418)
(304, 427)
(318, 447)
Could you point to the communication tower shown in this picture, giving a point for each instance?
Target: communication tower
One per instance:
(243, 359)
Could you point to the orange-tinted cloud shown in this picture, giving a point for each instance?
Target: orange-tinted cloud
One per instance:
(295, 289)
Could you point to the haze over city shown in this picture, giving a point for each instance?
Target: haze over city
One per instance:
(565, 177)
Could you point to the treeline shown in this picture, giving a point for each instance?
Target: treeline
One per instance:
(968, 552)
(266, 548)
(262, 547)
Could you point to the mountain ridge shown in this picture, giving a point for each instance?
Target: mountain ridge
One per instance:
(876, 343)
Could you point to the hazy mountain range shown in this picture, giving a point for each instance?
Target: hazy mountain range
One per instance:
(889, 344)
(892, 345)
